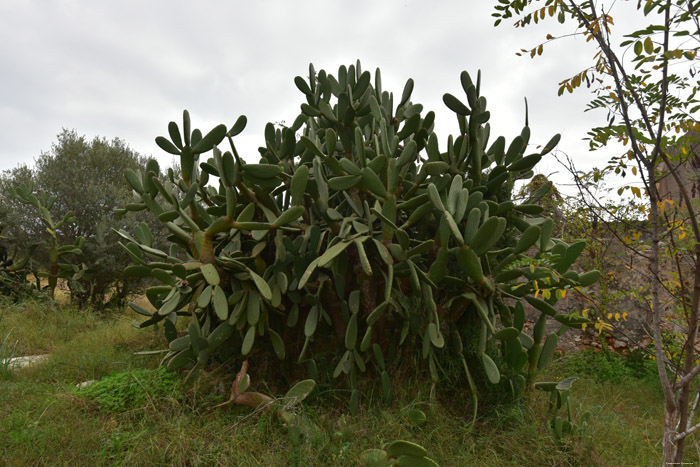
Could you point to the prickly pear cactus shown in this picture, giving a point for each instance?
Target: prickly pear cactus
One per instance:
(354, 231)
(59, 266)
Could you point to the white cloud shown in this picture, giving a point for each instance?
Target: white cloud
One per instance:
(124, 69)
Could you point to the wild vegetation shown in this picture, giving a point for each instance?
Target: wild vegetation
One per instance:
(364, 269)
(101, 281)
(646, 79)
(359, 234)
(139, 414)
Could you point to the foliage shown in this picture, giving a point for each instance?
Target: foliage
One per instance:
(649, 82)
(101, 164)
(126, 390)
(13, 275)
(608, 366)
(359, 234)
(7, 352)
(38, 407)
(399, 452)
(55, 269)
(560, 398)
(13, 259)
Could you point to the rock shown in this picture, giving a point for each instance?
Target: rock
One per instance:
(85, 384)
(21, 362)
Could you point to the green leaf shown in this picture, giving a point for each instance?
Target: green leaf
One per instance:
(262, 286)
(455, 105)
(133, 180)
(401, 447)
(220, 303)
(205, 297)
(211, 275)
(488, 234)
(290, 215)
(344, 182)
(435, 337)
(507, 334)
(298, 184)
(277, 344)
(351, 333)
(253, 308)
(541, 305)
(307, 273)
(638, 47)
(332, 252)
(453, 228)
(239, 126)
(248, 341)
(212, 138)
(170, 305)
(434, 196)
(167, 146)
(311, 321)
(550, 345)
(551, 144)
(140, 310)
(300, 391)
(491, 369)
(407, 91)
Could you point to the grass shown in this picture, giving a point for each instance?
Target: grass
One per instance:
(7, 353)
(136, 414)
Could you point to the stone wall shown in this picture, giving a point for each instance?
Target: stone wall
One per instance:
(623, 270)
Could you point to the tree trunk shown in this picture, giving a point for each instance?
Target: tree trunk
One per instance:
(670, 406)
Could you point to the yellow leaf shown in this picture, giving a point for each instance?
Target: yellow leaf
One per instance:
(636, 191)
(617, 316)
(610, 315)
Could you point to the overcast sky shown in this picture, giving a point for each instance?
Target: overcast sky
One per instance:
(125, 69)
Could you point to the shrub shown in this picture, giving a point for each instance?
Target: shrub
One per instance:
(101, 164)
(609, 366)
(355, 234)
(132, 389)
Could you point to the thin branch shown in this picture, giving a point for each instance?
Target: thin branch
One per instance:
(686, 433)
(692, 412)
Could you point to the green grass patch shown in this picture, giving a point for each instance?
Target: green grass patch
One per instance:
(608, 366)
(132, 389)
(137, 414)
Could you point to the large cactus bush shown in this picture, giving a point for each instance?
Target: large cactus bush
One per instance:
(357, 232)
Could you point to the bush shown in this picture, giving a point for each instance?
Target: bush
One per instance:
(608, 366)
(100, 165)
(355, 235)
(132, 389)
